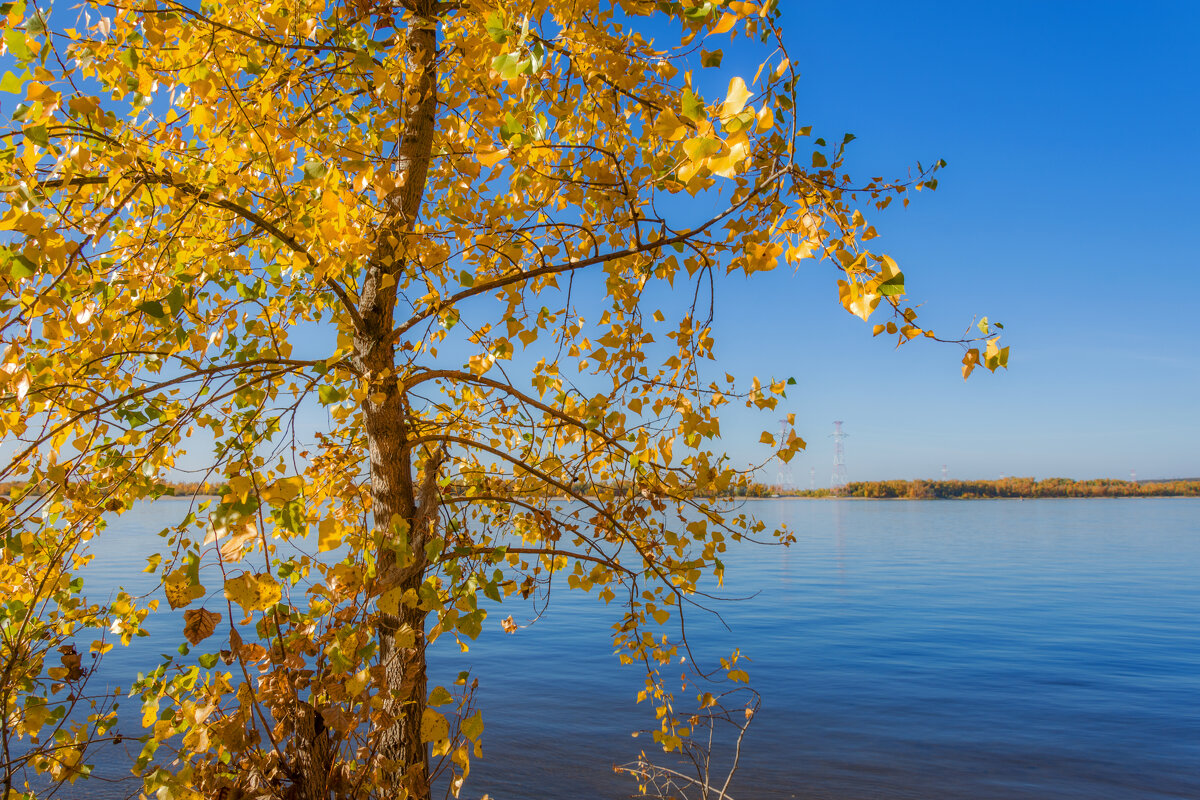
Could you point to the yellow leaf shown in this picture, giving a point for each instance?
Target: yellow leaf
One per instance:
(856, 299)
(888, 268)
(472, 726)
(493, 158)
(36, 713)
(405, 637)
(434, 726)
(180, 590)
(285, 490)
(700, 148)
(735, 98)
(864, 305)
(969, 361)
(329, 535)
(389, 601)
(724, 24)
(765, 119)
(253, 592)
(357, 683)
(995, 356)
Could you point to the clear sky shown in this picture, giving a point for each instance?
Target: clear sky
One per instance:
(1068, 212)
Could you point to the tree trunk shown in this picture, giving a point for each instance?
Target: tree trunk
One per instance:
(396, 509)
(402, 758)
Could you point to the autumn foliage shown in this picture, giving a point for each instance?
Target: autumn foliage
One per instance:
(1019, 487)
(394, 278)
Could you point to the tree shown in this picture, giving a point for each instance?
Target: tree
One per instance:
(221, 218)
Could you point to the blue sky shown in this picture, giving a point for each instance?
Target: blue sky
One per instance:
(1067, 211)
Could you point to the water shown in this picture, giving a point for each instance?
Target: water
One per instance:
(975, 650)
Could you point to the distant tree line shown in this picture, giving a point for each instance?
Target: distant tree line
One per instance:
(15, 490)
(1011, 487)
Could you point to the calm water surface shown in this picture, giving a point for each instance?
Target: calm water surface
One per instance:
(953, 650)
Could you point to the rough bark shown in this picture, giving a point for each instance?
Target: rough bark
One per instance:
(395, 507)
(313, 755)
(402, 758)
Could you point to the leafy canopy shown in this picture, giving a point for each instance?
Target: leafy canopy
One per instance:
(476, 241)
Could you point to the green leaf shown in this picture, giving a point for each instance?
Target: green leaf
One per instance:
(711, 58)
(17, 44)
(472, 726)
(537, 57)
(693, 106)
(496, 29)
(175, 300)
(152, 308)
(22, 267)
(511, 65)
(12, 84)
(492, 592)
(129, 57)
(440, 697)
(37, 134)
(893, 285)
(819, 159)
(315, 170)
(291, 517)
(208, 660)
(701, 11)
(471, 625)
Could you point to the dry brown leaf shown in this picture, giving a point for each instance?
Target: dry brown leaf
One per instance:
(199, 624)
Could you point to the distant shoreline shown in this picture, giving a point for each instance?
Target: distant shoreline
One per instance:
(958, 499)
(1005, 488)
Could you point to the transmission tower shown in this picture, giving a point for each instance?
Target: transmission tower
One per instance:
(944, 472)
(838, 480)
(812, 478)
(1133, 476)
(783, 478)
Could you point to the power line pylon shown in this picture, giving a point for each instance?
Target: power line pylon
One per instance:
(838, 479)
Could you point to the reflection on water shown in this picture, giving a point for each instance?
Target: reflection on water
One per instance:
(973, 650)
